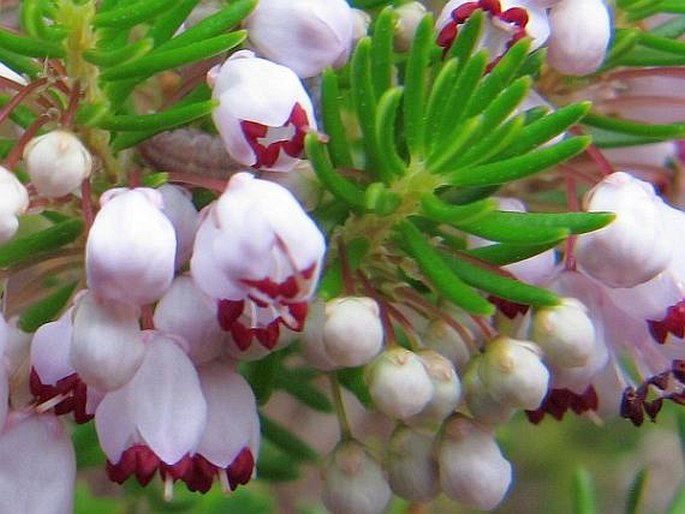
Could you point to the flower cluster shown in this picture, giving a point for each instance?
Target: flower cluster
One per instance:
(162, 276)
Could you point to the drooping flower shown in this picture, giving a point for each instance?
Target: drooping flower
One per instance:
(304, 35)
(580, 34)
(263, 112)
(156, 420)
(57, 163)
(38, 471)
(14, 200)
(178, 207)
(507, 21)
(131, 248)
(259, 255)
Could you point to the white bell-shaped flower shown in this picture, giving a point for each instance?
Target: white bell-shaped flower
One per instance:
(399, 383)
(632, 249)
(156, 420)
(38, 471)
(304, 35)
(106, 343)
(354, 481)
(14, 200)
(507, 21)
(263, 112)
(483, 407)
(580, 34)
(259, 255)
(131, 248)
(513, 373)
(472, 468)
(411, 465)
(57, 163)
(179, 208)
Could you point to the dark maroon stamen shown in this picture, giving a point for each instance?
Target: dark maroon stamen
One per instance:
(559, 401)
(70, 386)
(673, 323)
(508, 308)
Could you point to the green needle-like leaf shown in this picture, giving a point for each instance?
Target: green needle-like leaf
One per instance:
(32, 20)
(381, 50)
(212, 26)
(160, 121)
(26, 248)
(29, 46)
(501, 172)
(119, 56)
(338, 185)
(673, 28)
(47, 309)
(385, 131)
(490, 144)
(666, 130)
(664, 44)
(286, 440)
(636, 491)
(332, 121)
(415, 87)
(21, 64)
(443, 278)
(365, 101)
(500, 285)
(157, 61)
(469, 35)
(673, 6)
(437, 210)
(443, 84)
(167, 24)
(501, 254)
(583, 493)
(131, 14)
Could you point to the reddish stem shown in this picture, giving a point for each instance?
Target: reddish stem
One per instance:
(348, 281)
(20, 96)
(603, 164)
(70, 111)
(18, 149)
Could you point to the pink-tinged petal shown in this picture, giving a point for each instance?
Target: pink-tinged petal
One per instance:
(38, 466)
(187, 312)
(131, 248)
(232, 420)
(50, 350)
(167, 404)
(106, 347)
(305, 35)
(179, 208)
(114, 424)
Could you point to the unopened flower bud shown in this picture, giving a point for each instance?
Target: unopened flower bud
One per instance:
(14, 200)
(449, 343)
(399, 383)
(354, 481)
(513, 373)
(472, 468)
(352, 330)
(565, 332)
(408, 17)
(131, 248)
(482, 406)
(57, 163)
(361, 21)
(632, 249)
(412, 467)
(580, 33)
(446, 391)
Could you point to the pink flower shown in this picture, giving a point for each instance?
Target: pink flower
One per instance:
(304, 35)
(156, 420)
(507, 21)
(259, 255)
(38, 469)
(263, 113)
(131, 248)
(14, 200)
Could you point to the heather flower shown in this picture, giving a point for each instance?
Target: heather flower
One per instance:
(304, 35)
(178, 207)
(131, 248)
(38, 471)
(57, 163)
(411, 464)
(258, 255)
(263, 112)
(14, 200)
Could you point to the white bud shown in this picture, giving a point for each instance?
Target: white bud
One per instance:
(482, 406)
(565, 333)
(445, 340)
(399, 383)
(412, 468)
(14, 200)
(352, 330)
(408, 18)
(311, 343)
(632, 249)
(472, 468)
(353, 481)
(57, 163)
(446, 391)
(513, 373)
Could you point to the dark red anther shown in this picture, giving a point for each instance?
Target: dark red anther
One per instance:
(298, 311)
(678, 370)
(268, 337)
(673, 322)
(447, 35)
(508, 308)
(660, 380)
(241, 335)
(240, 470)
(492, 6)
(228, 311)
(464, 11)
(632, 406)
(71, 386)
(652, 408)
(516, 15)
